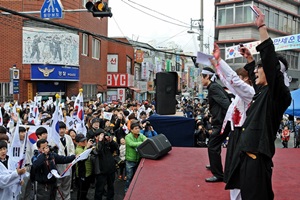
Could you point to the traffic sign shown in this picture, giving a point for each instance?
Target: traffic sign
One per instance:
(15, 86)
(52, 9)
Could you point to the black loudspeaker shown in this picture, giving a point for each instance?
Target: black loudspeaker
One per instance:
(166, 90)
(155, 147)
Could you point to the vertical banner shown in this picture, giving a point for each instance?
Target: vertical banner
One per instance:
(144, 70)
(121, 95)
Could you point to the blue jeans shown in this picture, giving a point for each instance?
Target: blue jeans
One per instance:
(130, 170)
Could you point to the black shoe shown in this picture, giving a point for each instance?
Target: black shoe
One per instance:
(207, 167)
(213, 179)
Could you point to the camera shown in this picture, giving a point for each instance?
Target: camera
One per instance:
(147, 125)
(53, 149)
(92, 140)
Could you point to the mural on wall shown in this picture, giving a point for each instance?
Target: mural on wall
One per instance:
(50, 46)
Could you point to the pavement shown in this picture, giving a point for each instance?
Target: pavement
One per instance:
(119, 191)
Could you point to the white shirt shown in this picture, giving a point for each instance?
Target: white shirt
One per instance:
(243, 92)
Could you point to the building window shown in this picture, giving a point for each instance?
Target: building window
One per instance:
(128, 64)
(96, 49)
(221, 17)
(234, 14)
(85, 44)
(89, 92)
(291, 57)
(5, 92)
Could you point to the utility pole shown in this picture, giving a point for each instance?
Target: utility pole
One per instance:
(201, 25)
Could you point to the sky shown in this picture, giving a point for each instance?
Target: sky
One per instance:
(129, 20)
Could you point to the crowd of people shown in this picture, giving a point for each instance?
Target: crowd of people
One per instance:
(113, 140)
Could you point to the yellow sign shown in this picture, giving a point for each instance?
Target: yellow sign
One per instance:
(29, 91)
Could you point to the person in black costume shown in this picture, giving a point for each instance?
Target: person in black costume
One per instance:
(218, 104)
(252, 161)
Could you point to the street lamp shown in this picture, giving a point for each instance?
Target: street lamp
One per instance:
(200, 88)
(199, 37)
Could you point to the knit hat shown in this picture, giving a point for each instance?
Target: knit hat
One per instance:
(80, 137)
(99, 131)
(95, 120)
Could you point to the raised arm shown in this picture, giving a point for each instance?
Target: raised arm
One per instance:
(230, 78)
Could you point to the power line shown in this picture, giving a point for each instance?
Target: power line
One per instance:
(118, 26)
(158, 12)
(85, 31)
(171, 37)
(155, 16)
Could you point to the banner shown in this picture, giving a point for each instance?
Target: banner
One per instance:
(83, 156)
(280, 43)
(53, 135)
(78, 114)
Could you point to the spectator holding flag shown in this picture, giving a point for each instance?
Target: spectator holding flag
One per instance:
(84, 167)
(43, 162)
(8, 178)
(66, 148)
(27, 150)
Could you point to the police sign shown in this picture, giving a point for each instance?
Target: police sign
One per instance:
(52, 9)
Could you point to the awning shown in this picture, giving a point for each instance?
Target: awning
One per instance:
(135, 89)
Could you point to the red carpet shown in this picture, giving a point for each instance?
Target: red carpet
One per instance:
(181, 175)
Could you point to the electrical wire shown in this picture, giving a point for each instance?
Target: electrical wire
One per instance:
(154, 16)
(158, 12)
(118, 26)
(172, 37)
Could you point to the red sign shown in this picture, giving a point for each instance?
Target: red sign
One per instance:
(117, 80)
(139, 56)
(121, 95)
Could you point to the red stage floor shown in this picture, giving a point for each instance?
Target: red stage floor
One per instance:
(181, 175)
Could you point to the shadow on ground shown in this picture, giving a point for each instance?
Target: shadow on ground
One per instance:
(119, 192)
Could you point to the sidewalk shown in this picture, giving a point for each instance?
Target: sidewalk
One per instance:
(119, 191)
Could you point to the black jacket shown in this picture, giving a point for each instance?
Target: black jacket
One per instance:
(264, 114)
(105, 152)
(267, 108)
(219, 102)
(42, 166)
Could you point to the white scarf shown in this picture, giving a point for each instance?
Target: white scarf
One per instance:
(285, 76)
(213, 78)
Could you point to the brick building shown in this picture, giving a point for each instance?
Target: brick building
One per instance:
(49, 58)
(120, 77)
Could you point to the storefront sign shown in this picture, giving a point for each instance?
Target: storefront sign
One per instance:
(54, 72)
(117, 80)
(121, 95)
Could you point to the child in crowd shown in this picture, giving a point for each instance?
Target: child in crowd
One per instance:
(285, 136)
(122, 164)
(8, 178)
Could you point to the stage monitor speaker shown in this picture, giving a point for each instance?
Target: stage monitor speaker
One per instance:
(155, 147)
(166, 90)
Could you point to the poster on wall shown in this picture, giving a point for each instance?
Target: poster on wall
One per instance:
(112, 63)
(50, 46)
